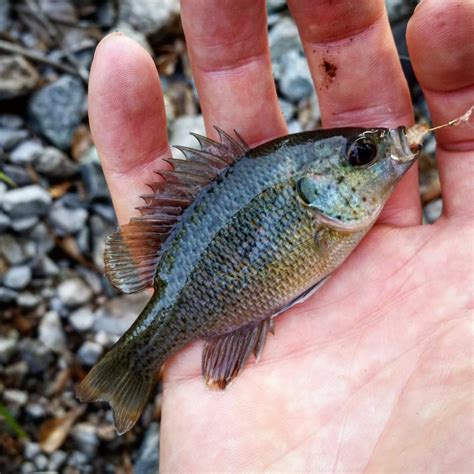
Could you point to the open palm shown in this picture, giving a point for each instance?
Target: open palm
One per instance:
(375, 371)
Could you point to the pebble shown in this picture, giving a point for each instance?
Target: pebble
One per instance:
(24, 224)
(56, 460)
(89, 352)
(28, 300)
(7, 295)
(12, 122)
(51, 332)
(432, 211)
(35, 354)
(82, 319)
(85, 437)
(31, 449)
(41, 462)
(15, 397)
(27, 201)
(287, 108)
(144, 15)
(7, 347)
(26, 152)
(11, 138)
(295, 83)
(74, 292)
(5, 221)
(17, 278)
(148, 458)
(283, 38)
(17, 77)
(66, 220)
(35, 410)
(57, 109)
(55, 164)
(16, 251)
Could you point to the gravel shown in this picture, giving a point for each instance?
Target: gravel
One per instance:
(90, 352)
(51, 332)
(74, 292)
(17, 77)
(66, 220)
(26, 201)
(27, 152)
(17, 278)
(82, 319)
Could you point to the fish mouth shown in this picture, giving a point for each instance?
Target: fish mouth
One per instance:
(402, 151)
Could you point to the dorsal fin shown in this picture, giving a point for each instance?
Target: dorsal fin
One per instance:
(132, 253)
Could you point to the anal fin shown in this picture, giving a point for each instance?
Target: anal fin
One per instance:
(224, 356)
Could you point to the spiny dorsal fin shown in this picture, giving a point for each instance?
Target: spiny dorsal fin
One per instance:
(224, 357)
(132, 253)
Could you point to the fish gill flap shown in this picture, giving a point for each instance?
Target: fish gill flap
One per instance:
(132, 253)
(224, 357)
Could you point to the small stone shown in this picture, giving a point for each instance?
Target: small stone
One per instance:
(67, 221)
(85, 437)
(283, 38)
(5, 221)
(57, 109)
(7, 347)
(55, 164)
(183, 126)
(82, 319)
(11, 138)
(15, 397)
(89, 352)
(295, 82)
(51, 332)
(77, 459)
(27, 201)
(18, 174)
(41, 462)
(28, 468)
(433, 210)
(93, 176)
(7, 295)
(16, 251)
(12, 122)
(56, 460)
(31, 449)
(24, 224)
(35, 354)
(45, 267)
(35, 410)
(74, 292)
(148, 458)
(27, 152)
(287, 109)
(17, 77)
(17, 278)
(28, 300)
(144, 15)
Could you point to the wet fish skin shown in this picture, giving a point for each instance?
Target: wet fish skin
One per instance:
(268, 229)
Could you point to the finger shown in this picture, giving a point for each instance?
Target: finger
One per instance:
(127, 118)
(358, 78)
(440, 42)
(228, 47)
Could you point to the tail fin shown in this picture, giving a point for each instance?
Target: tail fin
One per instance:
(127, 391)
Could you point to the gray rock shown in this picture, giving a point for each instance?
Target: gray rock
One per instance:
(41, 462)
(28, 300)
(16, 251)
(17, 278)
(15, 397)
(89, 352)
(46, 267)
(146, 15)
(11, 138)
(67, 221)
(85, 437)
(27, 468)
(26, 152)
(43, 239)
(55, 164)
(82, 319)
(74, 292)
(18, 174)
(117, 314)
(7, 347)
(5, 221)
(283, 37)
(35, 410)
(78, 460)
(51, 332)
(148, 458)
(287, 109)
(56, 460)
(24, 224)
(7, 295)
(295, 81)
(92, 176)
(28, 201)
(10, 121)
(181, 129)
(36, 355)
(432, 211)
(31, 449)
(17, 77)
(57, 109)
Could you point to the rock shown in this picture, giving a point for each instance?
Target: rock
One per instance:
(24, 224)
(17, 77)
(36, 355)
(7, 295)
(35, 410)
(92, 176)
(181, 129)
(82, 319)
(28, 300)
(77, 460)
(4, 15)
(56, 460)
(31, 449)
(17, 278)
(11, 122)
(11, 138)
(18, 174)
(283, 38)
(28, 201)
(51, 332)
(89, 352)
(148, 458)
(45, 267)
(146, 16)
(43, 239)
(67, 221)
(16, 251)
(74, 292)
(57, 109)
(7, 347)
(432, 211)
(126, 29)
(275, 5)
(15, 397)
(41, 462)
(287, 109)
(5, 221)
(55, 164)
(85, 437)
(117, 314)
(295, 82)
(27, 152)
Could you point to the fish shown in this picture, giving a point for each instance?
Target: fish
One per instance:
(232, 236)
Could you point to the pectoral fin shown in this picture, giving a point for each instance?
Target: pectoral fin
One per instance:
(225, 356)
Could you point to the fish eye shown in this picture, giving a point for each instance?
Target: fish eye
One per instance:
(305, 190)
(361, 151)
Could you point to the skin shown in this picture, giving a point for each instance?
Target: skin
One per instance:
(374, 372)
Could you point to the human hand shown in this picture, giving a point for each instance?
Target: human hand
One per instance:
(374, 372)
